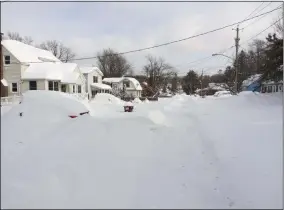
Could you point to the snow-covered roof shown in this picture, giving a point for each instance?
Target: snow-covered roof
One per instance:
(135, 82)
(27, 53)
(251, 79)
(113, 79)
(217, 85)
(101, 86)
(51, 71)
(89, 69)
(271, 82)
(4, 82)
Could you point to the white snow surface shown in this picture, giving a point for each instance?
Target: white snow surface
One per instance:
(137, 100)
(89, 69)
(251, 79)
(52, 71)
(135, 82)
(101, 86)
(26, 53)
(4, 82)
(179, 152)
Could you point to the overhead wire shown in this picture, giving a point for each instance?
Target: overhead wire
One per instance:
(258, 19)
(255, 10)
(172, 42)
(247, 39)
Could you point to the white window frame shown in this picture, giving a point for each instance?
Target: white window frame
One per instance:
(16, 86)
(6, 60)
(53, 85)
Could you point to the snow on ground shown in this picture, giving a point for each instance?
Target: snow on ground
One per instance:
(179, 152)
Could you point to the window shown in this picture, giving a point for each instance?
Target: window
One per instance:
(7, 59)
(269, 89)
(63, 88)
(53, 85)
(73, 88)
(33, 85)
(14, 87)
(126, 84)
(280, 88)
(95, 79)
(50, 85)
(79, 88)
(276, 88)
(56, 88)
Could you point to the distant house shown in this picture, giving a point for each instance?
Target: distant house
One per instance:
(271, 87)
(94, 84)
(251, 83)
(129, 85)
(30, 68)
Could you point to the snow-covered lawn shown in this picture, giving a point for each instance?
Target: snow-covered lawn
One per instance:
(180, 152)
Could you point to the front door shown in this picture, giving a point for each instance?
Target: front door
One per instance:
(63, 88)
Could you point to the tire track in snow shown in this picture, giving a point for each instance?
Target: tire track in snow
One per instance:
(215, 164)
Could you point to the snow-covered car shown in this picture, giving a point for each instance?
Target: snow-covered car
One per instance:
(222, 93)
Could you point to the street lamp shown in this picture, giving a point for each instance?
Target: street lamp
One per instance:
(215, 54)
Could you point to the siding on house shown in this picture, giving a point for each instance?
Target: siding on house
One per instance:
(90, 80)
(41, 85)
(12, 72)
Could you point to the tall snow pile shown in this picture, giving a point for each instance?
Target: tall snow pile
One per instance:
(137, 100)
(39, 105)
(106, 98)
(190, 153)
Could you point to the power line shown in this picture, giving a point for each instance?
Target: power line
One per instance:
(180, 40)
(253, 22)
(244, 41)
(263, 30)
(172, 42)
(255, 10)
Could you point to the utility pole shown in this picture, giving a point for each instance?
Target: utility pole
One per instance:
(201, 83)
(237, 39)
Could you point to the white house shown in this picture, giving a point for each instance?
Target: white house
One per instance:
(64, 77)
(30, 68)
(131, 86)
(271, 86)
(94, 84)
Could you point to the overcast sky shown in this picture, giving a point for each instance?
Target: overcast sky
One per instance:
(90, 27)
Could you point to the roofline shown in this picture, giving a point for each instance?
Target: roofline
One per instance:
(11, 53)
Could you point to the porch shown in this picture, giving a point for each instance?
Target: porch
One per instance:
(99, 88)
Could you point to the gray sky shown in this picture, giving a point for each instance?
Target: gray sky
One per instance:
(90, 27)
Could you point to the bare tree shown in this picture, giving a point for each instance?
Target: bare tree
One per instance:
(112, 64)
(279, 28)
(60, 51)
(16, 36)
(158, 72)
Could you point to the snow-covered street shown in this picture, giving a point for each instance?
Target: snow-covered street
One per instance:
(180, 152)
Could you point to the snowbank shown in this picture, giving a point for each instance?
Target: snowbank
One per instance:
(106, 98)
(137, 100)
(5, 109)
(180, 152)
(146, 101)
